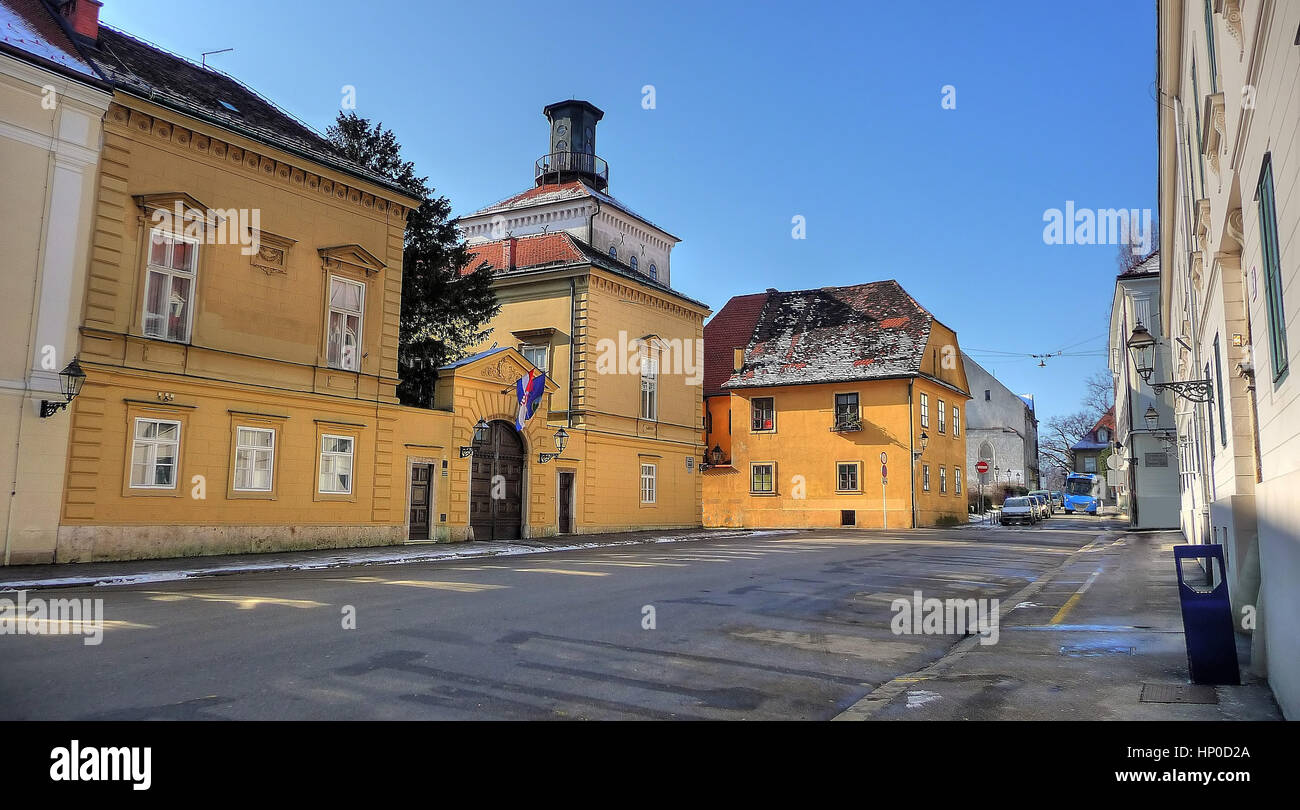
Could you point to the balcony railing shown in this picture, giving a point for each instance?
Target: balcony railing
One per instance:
(560, 166)
(846, 424)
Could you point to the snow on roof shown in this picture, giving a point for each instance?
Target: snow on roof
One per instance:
(835, 334)
(26, 25)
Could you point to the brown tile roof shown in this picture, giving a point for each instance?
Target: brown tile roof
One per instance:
(834, 334)
(141, 69)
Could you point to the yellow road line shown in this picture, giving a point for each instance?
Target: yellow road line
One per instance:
(1074, 599)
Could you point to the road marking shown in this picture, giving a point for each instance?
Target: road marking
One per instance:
(243, 602)
(566, 571)
(1074, 600)
(440, 585)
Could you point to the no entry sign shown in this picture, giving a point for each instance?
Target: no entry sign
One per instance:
(982, 467)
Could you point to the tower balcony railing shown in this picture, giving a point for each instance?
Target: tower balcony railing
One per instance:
(560, 166)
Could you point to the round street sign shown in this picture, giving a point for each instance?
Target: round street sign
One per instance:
(884, 458)
(982, 467)
(884, 472)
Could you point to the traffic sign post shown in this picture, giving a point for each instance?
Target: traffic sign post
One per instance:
(982, 467)
(884, 481)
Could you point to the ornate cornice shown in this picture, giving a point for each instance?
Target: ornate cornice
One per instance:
(1213, 140)
(1231, 11)
(350, 256)
(237, 157)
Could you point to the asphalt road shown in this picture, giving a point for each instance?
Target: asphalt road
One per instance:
(786, 626)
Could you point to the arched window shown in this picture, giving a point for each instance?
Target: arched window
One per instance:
(632, 261)
(613, 252)
(654, 273)
(986, 453)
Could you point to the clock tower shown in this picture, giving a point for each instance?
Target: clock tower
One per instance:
(573, 146)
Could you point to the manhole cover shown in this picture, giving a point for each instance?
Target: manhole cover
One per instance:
(1178, 693)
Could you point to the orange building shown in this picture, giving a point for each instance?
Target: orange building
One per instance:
(810, 393)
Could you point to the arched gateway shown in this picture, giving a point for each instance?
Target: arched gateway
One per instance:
(496, 492)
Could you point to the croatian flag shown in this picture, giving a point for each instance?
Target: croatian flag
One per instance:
(530, 390)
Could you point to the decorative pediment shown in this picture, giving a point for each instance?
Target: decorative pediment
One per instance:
(501, 367)
(178, 209)
(350, 256)
(272, 255)
(543, 335)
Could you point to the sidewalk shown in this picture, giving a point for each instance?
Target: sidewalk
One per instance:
(24, 577)
(1087, 642)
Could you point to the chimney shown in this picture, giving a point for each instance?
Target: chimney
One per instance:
(737, 359)
(83, 16)
(508, 253)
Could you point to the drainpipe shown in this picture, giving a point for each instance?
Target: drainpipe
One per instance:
(911, 453)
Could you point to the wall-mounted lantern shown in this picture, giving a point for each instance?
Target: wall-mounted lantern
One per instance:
(1142, 345)
(925, 441)
(481, 429)
(561, 440)
(70, 381)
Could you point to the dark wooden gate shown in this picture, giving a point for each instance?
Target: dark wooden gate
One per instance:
(497, 485)
(566, 502)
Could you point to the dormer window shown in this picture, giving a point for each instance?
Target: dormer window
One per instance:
(613, 252)
(1103, 435)
(230, 107)
(633, 261)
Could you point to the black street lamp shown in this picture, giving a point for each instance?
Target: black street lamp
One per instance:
(1142, 345)
(70, 381)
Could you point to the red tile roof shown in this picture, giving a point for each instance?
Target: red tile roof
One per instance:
(725, 332)
(529, 251)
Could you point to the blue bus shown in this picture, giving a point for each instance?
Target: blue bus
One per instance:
(1082, 493)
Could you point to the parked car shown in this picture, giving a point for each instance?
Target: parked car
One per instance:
(1058, 499)
(1019, 510)
(1045, 501)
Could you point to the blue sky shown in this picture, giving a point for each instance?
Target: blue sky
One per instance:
(765, 111)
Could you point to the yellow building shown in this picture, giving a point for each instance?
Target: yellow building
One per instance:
(584, 288)
(240, 334)
(810, 393)
(51, 104)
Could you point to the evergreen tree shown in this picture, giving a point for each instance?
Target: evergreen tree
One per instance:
(443, 311)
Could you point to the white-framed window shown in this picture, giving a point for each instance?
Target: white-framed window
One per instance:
(847, 476)
(254, 459)
(1090, 464)
(925, 477)
(762, 478)
(347, 300)
(943, 480)
(169, 286)
(537, 354)
(155, 453)
(762, 414)
(956, 473)
(943, 417)
(649, 387)
(648, 478)
(336, 464)
(925, 410)
(956, 421)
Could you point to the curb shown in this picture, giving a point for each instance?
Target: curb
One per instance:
(319, 565)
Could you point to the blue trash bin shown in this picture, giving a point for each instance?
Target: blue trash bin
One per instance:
(1207, 617)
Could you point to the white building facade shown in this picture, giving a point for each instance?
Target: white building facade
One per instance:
(1147, 444)
(1229, 118)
